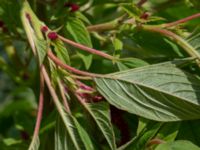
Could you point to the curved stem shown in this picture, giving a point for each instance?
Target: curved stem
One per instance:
(66, 105)
(155, 141)
(85, 48)
(40, 110)
(102, 27)
(182, 20)
(69, 68)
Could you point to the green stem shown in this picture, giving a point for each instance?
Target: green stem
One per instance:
(182, 20)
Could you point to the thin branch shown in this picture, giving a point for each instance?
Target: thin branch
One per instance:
(182, 20)
(111, 25)
(80, 77)
(102, 27)
(40, 110)
(155, 141)
(69, 68)
(85, 48)
(67, 108)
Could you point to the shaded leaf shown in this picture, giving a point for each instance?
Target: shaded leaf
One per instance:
(66, 135)
(139, 142)
(78, 31)
(194, 39)
(100, 113)
(193, 131)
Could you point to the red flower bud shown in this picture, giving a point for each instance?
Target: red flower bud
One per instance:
(145, 15)
(52, 35)
(97, 98)
(74, 7)
(44, 29)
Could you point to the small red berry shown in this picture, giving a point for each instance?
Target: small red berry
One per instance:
(52, 35)
(44, 29)
(97, 98)
(145, 16)
(74, 7)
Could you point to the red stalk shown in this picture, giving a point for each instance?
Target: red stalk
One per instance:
(40, 107)
(85, 48)
(182, 20)
(69, 68)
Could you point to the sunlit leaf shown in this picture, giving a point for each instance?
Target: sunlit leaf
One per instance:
(160, 92)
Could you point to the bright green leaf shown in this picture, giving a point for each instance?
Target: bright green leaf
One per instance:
(177, 145)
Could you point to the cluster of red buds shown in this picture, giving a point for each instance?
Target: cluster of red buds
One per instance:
(145, 16)
(51, 34)
(73, 7)
(86, 93)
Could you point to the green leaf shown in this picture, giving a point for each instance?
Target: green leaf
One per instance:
(177, 145)
(11, 141)
(118, 45)
(194, 39)
(193, 131)
(67, 136)
(78, 31)
(159, 92)
(41, 46)
(61, 51)
(100, 113)
(35, 144)
(131, 9)
(168, 131)
(139, 142)
(84, 136)
(128, 63)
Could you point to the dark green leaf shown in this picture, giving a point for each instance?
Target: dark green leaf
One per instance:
(100, 114)
(80, 34)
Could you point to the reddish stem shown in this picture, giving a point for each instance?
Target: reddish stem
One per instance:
(85, 48)
(182, 20)
(40, 107)
(65, 66)
(155, 141)
(62, 92)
